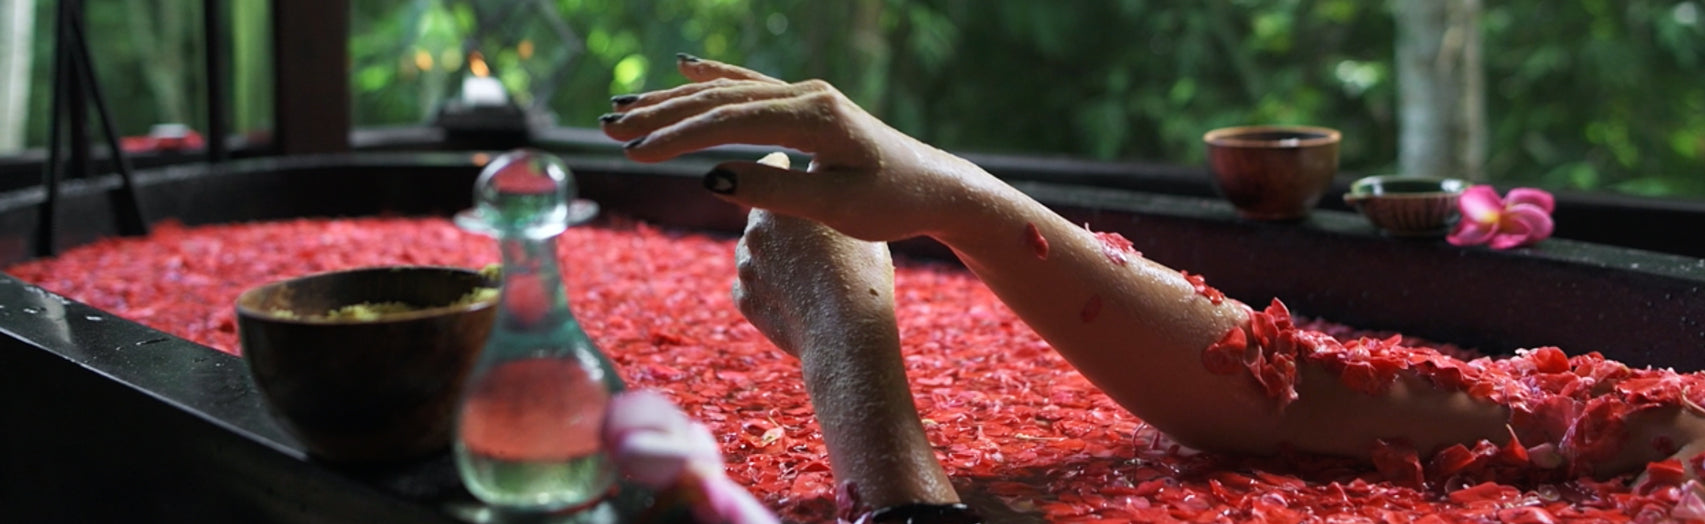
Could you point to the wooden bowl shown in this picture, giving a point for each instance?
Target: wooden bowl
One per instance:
(365, 390)
(1273, 172)
(1413, 206)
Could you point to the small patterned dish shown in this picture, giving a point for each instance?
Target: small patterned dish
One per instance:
(1411, 206)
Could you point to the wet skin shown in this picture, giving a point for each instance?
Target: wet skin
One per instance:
(820, 287)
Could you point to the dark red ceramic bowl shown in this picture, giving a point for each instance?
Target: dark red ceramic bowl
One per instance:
(1273, 172)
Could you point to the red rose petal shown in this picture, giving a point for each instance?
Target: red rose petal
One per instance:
(1226, 356)
(1038, 243)
(1115, 247)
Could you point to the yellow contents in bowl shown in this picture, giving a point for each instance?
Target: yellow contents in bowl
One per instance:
(483, 294)
(371, 311)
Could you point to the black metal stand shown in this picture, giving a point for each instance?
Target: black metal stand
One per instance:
(74, 88)
(213, 48)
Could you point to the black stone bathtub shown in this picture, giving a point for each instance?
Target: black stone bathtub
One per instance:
(105, 421)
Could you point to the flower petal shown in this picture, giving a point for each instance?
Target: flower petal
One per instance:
(1480, 204)
(726, 501)
(1522, 225)
(654, 460)
(1469, 233)
(642, 410)
(652, 441)
(1508, 240)
(1528, 195)
(1538, 220)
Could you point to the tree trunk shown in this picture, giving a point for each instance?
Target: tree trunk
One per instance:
(17, 20)
(1441, 87)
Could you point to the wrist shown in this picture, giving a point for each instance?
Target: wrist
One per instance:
(976, 207)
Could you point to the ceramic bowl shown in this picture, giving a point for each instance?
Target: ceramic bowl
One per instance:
(1408, 205)
(1273, 172)
(365, 390)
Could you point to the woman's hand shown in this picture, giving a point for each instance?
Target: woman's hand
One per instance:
(804, 285)
(866, 179)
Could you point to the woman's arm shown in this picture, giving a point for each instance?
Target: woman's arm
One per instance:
(1135, 328)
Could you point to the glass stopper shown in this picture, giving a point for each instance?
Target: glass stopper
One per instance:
(523, 193)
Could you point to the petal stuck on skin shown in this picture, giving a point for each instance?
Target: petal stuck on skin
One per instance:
(1521, 218)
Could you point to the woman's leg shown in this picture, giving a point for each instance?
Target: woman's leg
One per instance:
(829, 300)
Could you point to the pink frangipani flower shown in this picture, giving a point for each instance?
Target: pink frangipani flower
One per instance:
(654, 444)
(1521, 218)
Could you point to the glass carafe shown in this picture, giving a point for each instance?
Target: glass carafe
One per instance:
(528, 425)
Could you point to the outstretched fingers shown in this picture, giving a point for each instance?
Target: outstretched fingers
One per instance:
(705, 74)
(643, 100)
(663, 108)
(702, 70)
(809, 121)
(732, 105)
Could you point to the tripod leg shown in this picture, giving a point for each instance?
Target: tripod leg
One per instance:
(214, 42)
(51, 172)
(127, 208)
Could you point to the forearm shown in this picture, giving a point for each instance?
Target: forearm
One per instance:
(1133, 327)
(877, 447)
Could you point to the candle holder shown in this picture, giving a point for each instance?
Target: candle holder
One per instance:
(484, 115)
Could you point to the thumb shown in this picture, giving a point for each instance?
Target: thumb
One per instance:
(811, 195)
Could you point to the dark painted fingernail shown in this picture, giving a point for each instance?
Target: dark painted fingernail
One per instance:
(634, 143)
(610, 117)
(624, 99)
(719, 181)
(686, 58)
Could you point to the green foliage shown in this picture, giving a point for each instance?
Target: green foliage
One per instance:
(251, 67)
(147, 55)
(1599, 95)
(1099, 79)
(1603, 95)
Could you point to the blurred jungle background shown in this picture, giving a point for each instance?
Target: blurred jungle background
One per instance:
(1589, 95)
